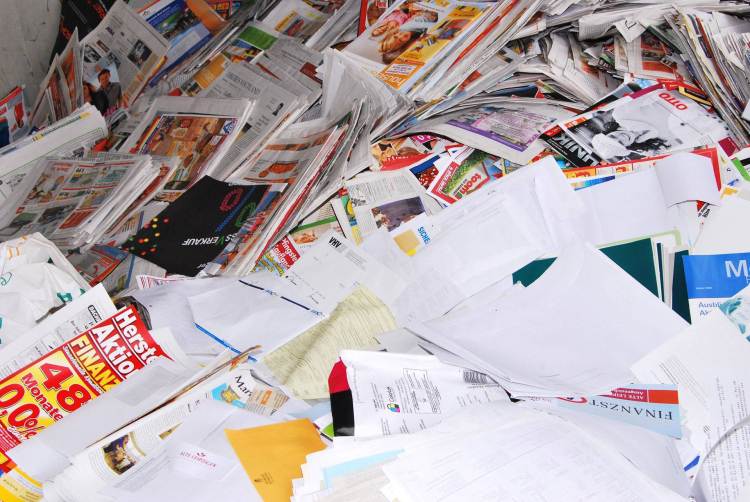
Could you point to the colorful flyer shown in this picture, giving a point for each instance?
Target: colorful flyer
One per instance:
(57, 384)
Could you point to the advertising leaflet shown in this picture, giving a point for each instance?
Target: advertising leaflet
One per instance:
(56, 99)
(250, 42)
(508, 128)
(194, 229)
(151, 281)
(295, 18)
(413, 36)
(407, 151)
(737, 310)
(713, 279)
(370, 11)
(288, 250)
(46, 390)
(385, 202)
(78, 316)
(429, 48)
(661, 119)
(655, 407)
(14, 124)
(184, 25)
(250, 233)
(115, 268)
(463, 174)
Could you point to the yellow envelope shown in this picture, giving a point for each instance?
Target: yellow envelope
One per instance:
(272, 455)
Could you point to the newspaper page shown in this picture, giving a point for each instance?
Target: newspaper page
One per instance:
(128, 227)
(649, 57)
(276, 103)
(489, 35)
(46, 390)
(338, 27)
(71, 63)
(154, 191)
(197, 131)
(318, 175)
(290, 155)
(297, 158)
(299, 71)
(119, 56)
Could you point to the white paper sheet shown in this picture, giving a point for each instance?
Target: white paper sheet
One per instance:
(574, 331)
(520, 457)
(708, 363)
(686, 176)
(625, 208)
(401, 394)
(242, 315)
(725, 230)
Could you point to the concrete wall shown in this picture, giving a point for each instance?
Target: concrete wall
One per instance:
(28, 29)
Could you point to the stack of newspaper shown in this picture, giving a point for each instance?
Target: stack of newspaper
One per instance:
(379, 250)
(73, 201)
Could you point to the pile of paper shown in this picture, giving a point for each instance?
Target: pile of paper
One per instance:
(407, 250)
